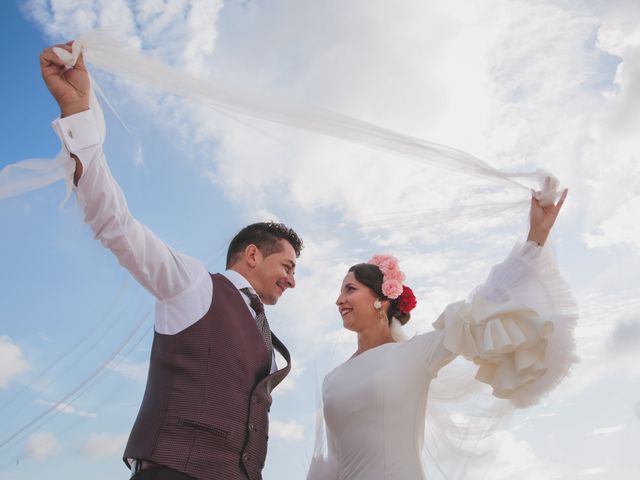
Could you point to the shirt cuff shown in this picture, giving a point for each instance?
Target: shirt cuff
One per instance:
(531, 250)
(78, 131)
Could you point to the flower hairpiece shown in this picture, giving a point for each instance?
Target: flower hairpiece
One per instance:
(407, 300)
(392, 276)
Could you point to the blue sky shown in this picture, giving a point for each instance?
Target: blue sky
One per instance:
(520, 83)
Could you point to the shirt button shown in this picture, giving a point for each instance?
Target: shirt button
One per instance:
(70, 133)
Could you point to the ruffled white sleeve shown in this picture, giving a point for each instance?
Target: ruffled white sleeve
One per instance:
(517, 327)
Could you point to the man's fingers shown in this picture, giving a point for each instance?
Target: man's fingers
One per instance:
(48, 56)
(80, 63)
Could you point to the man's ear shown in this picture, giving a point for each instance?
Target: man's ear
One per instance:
(252, 255)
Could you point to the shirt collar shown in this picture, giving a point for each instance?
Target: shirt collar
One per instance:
(237, 279)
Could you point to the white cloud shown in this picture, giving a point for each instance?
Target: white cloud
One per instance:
(67, 408)
(607, 431)
(290, 431)
(289, 383)
(620, 228)
(102, 445)
(40, 445)
(625, 338)
(183, 30)
(12, 361)
(132, 371)
(592, 471)
(515, 458)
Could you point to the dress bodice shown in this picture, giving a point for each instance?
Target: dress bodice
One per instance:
(374, 408)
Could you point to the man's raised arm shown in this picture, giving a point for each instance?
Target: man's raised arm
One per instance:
(180, 283)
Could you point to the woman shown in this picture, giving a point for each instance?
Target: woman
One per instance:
(375, 402)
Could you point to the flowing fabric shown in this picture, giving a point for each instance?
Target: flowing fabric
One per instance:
(103, 51)
(31, 174)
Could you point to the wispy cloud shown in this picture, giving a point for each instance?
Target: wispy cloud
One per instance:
(592, 471)
(607, 431)
(40, 445)
(12, 361)
(625, 338)
(102, 445)
(289, 383)
(516, 459)
(132, 371)
(66, 408)
(184, 31)
(290, 431)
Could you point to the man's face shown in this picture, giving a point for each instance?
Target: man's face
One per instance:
(274, 273)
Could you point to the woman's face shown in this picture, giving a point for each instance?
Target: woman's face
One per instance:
(355, 304)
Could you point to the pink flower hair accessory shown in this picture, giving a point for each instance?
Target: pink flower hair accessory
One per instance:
(392, 276)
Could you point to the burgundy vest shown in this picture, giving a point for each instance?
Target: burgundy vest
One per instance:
(205, 407)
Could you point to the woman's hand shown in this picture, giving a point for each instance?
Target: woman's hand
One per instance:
(541, 219)
(68, 85)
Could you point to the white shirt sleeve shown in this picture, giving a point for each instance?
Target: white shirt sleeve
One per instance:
(181, 285)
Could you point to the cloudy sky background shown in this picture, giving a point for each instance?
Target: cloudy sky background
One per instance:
(522, 84)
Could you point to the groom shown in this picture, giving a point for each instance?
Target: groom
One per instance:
(204, 414)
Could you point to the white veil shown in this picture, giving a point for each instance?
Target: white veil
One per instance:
(105, 52)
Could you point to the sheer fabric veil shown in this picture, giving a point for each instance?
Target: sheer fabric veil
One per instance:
(103, 51)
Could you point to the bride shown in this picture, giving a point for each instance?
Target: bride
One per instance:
(375, 402)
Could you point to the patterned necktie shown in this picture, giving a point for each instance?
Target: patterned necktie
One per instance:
(261, 318)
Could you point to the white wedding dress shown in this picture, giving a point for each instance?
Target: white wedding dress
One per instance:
(517, 327)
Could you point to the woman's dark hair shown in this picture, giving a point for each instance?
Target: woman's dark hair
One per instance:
(265, 236)
(371, 276)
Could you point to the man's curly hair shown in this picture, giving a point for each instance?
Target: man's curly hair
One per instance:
(265, 236)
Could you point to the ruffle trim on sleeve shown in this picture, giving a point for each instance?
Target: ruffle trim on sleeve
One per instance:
(518, 327)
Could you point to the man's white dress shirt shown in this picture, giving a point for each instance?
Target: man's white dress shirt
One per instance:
(181, 284)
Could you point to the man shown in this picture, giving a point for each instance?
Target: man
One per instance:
(205, 409)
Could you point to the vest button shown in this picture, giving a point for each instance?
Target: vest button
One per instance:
(252, 427)
(245, 457)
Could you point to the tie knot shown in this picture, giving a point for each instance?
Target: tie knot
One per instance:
(254, 300)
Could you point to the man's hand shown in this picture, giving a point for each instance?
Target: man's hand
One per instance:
(542, 218)
(69, 86)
